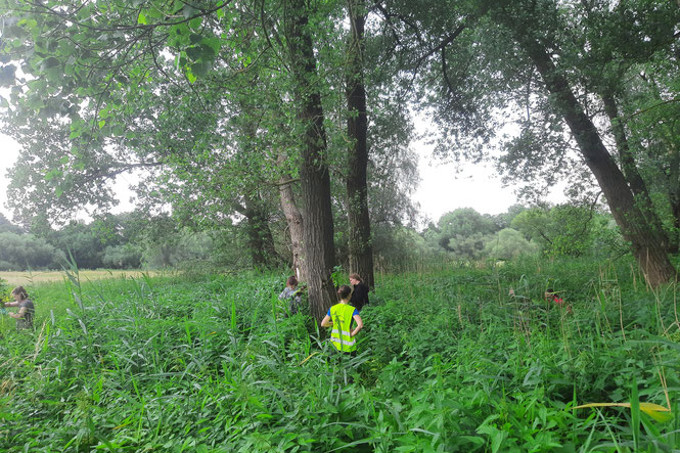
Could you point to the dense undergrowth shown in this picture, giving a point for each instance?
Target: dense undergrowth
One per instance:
(448, 362)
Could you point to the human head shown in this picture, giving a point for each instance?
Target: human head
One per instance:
(20, 293)
(292, 281)
(344, 291)
(354, 279)
(549, 293)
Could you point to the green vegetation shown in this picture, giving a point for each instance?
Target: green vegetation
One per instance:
(263, 135)
(449, 362)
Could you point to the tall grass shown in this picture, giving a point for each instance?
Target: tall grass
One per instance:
(448, 362)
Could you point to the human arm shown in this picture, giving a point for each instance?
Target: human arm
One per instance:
(326, 321)
(11, 304)
(360, 325)
(20, 314)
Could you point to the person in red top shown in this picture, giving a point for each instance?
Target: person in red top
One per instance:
(551, 296)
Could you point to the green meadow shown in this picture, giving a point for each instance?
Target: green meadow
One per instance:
(448, 362)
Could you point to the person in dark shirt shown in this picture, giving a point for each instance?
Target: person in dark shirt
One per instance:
(359, 292)
(291, 295)
(26, 311)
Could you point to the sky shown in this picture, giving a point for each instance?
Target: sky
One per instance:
(441, 189)
(10, 154)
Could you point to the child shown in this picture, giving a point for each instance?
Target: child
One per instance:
(359, 292)
(26, 311)
(340, 317)
(291, 293)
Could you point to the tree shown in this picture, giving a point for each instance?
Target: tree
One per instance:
(461, 224)
(509, 244)
(641, 230)
(533, 57)
(565, 229)
(360, 241)
(319, 254)
(27, 252)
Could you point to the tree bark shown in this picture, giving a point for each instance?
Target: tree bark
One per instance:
(295, 225)
(318, 246)
(648, 244)
(360, 242)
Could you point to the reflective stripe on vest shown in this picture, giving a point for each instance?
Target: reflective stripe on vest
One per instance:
(341, 315)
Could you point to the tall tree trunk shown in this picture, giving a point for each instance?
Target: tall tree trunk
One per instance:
(648, 244)
(360, 242)
(318, 247)
(295, 225)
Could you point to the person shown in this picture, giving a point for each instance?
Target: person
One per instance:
(26, 311)
(340, 317)
(359, 292)
(291, 294)
(552, 296)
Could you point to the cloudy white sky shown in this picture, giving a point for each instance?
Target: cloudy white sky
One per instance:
(10, 153)
(441, 190)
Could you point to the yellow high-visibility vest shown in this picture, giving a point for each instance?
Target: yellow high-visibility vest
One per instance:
(341, 315)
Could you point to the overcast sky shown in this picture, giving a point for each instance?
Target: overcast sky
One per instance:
(10, 152)
(441, 190)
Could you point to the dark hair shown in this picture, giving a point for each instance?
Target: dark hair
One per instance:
(292, 281)
(344, 291)
(21, 292)
(355, 277)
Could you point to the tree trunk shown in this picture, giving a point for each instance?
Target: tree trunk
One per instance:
(674, 242)
(318, 247)
(648, 244)
(295, 225)
(360, 243)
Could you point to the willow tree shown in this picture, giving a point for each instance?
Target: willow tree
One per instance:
(483, 65)
(318, 246)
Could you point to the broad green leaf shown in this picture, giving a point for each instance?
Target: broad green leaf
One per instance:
(141, 19)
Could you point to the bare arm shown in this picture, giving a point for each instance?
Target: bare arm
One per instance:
(11, 304)
(326, 321)
(20, 314)
(360, 325)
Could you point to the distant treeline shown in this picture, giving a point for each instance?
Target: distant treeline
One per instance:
(136, 240)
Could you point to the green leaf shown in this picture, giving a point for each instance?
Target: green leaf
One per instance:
(214, 43)
(141, 19)
(190, 75)
(196, 23)
(102, 123)
(200, 68)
